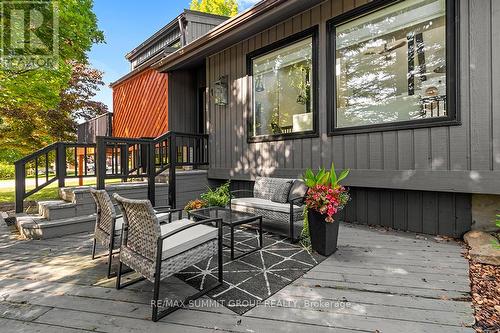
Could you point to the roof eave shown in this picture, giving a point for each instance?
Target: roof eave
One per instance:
(260, 17)
(170, 26)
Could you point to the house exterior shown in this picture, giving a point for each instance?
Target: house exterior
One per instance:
(144, 90)
(98, 126)
(403, 93)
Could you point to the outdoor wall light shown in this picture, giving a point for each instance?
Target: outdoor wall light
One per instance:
(220, 91)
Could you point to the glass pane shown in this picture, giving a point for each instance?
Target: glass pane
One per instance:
(282, 83)
(391, 65)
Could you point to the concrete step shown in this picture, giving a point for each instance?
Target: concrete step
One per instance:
(37, 227)
(133, 190)
(56, 209)
(75, 212)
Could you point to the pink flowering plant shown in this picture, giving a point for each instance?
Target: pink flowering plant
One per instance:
(327, 200)
(325, 195)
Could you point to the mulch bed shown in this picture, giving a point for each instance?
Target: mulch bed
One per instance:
(485, 287)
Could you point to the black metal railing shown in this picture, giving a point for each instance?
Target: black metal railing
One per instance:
(127, 158)
(110, 158)
(56, 162)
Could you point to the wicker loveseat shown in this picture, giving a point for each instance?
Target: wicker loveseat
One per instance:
(276, 199)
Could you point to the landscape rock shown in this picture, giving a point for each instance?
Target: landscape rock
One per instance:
(482, 247)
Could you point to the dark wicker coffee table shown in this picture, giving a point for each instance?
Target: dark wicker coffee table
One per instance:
(231, 219)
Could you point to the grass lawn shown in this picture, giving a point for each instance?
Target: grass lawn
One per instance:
(7, 193)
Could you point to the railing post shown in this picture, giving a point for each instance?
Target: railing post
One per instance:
(124, 161)
(172, 152)
(20, 170)
(100, 163)
(144, 151)
(151, 172)
(61, 164)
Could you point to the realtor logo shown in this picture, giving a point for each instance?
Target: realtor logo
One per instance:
(29, 34)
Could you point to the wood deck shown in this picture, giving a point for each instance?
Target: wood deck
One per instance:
(376, 282)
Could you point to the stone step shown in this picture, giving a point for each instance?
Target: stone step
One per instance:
(37, 227)
(56, 209)
(133, 190)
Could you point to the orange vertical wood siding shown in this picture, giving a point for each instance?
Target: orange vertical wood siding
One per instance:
(140, 105)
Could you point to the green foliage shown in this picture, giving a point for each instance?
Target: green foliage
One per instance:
(28, 97)
(218, 7)
(7, 170)
(219, 197)
(305, 237)
(496, 243)
(324, 177)
(8, 155)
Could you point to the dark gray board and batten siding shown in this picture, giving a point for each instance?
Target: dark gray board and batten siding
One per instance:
(462, 159)
(183, 88)
(99, 126)
(414, 179)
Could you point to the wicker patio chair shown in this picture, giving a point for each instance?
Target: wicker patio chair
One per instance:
(108, 226)
(158, 251)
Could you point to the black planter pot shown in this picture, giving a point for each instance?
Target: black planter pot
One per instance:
(324, 235)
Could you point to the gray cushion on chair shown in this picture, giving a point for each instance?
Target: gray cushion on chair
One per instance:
(186, 239)
(298, 189)
(281, 192)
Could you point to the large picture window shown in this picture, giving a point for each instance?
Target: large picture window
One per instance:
(392, 65)
(283, 89)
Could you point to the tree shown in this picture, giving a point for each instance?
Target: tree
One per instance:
(219, 7)
(29, 97)
(76, 102)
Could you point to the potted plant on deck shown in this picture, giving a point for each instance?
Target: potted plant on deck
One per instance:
(324, 199)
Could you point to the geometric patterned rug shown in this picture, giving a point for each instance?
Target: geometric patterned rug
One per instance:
(253, 278)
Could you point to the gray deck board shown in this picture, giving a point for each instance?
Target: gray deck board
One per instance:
(377, 280)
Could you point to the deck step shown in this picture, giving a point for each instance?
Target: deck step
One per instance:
(37, 227)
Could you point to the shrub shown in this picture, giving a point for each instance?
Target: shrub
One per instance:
(219, 197)
(7, 171)
(9, 155)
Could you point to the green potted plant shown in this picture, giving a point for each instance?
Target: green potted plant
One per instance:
(219, 197)
(324, 199)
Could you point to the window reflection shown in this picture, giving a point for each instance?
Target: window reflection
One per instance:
(391, 65)
(282, 83)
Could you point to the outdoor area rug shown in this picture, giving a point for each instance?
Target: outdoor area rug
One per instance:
(250, 280)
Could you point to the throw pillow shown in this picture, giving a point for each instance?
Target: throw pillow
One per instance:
(281, 192)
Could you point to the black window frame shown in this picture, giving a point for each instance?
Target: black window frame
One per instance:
(313, 33)
(452, 72)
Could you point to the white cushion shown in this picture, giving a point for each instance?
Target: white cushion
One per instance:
(263, 204)
(186, 239)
